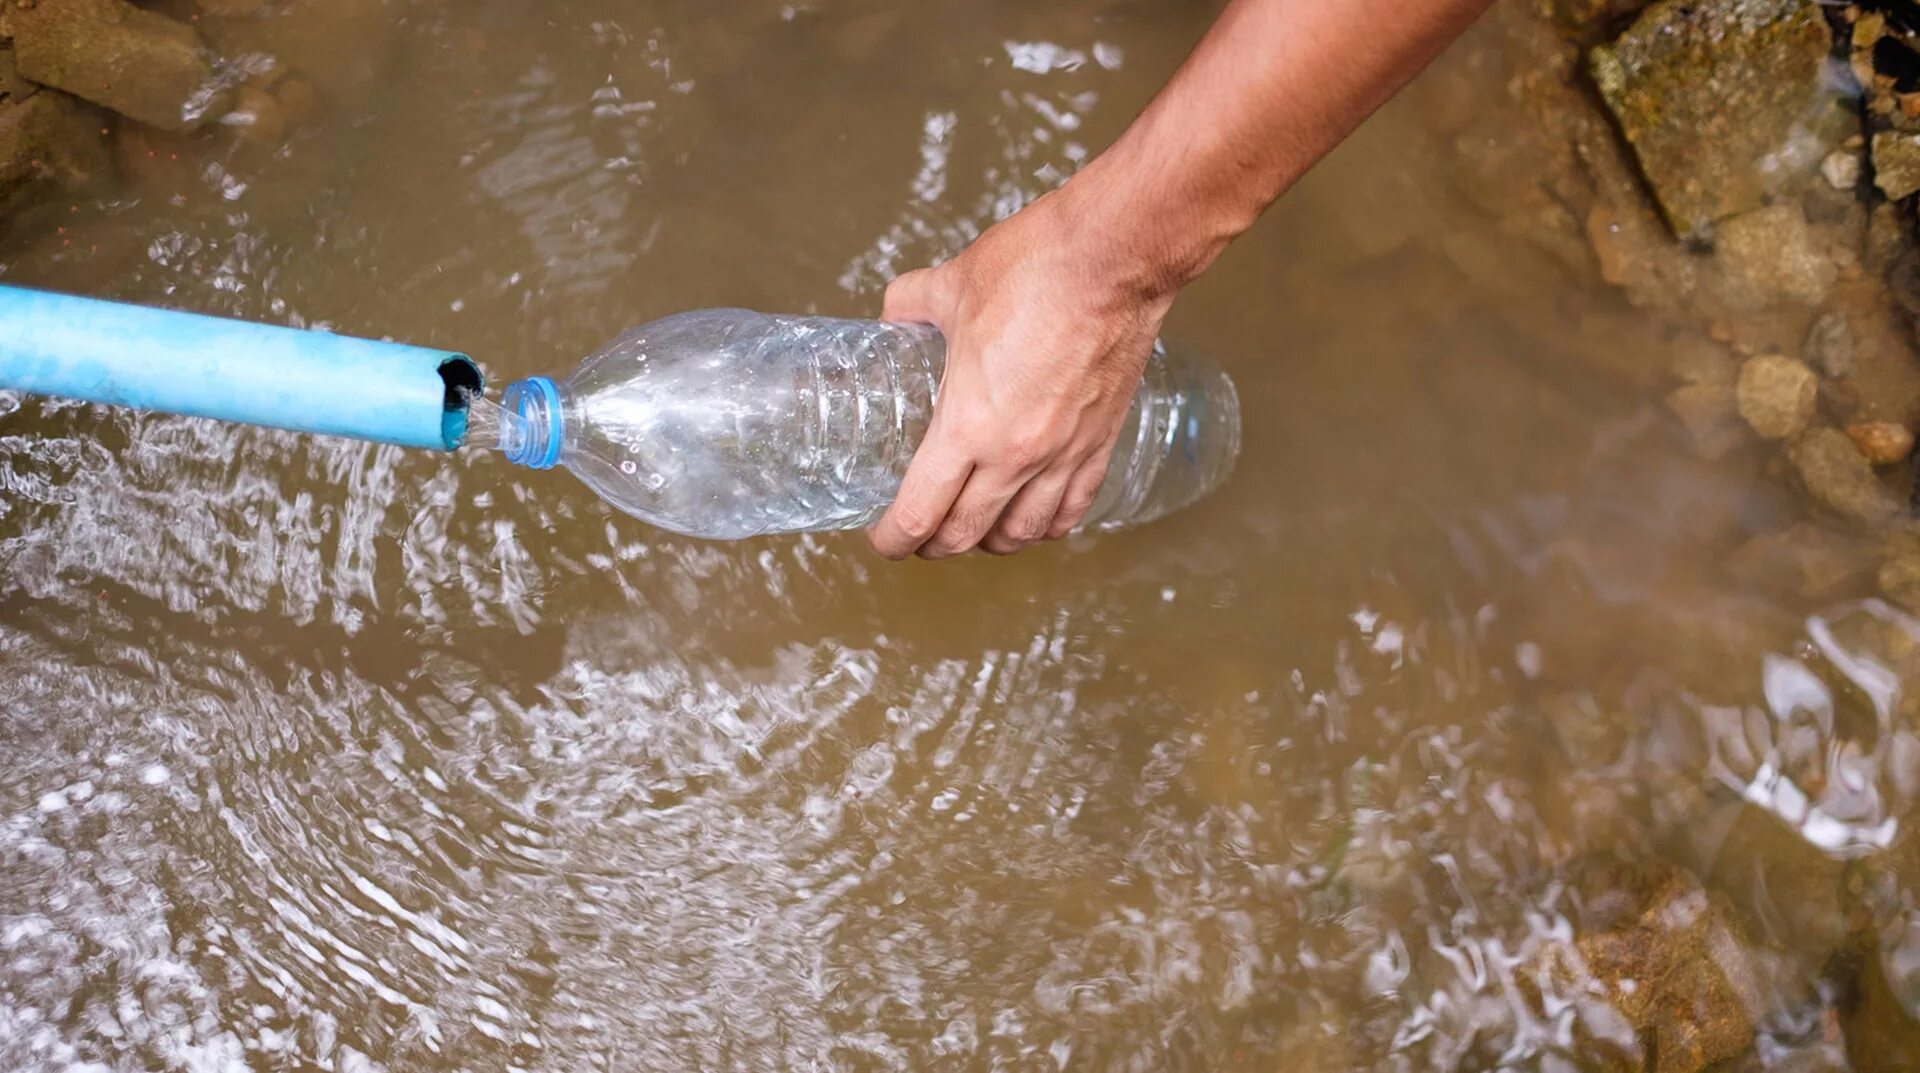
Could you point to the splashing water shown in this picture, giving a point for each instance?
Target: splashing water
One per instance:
(491, 426)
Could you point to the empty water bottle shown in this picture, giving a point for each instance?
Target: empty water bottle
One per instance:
(725, 423)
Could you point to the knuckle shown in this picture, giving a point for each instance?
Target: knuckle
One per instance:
(917, 524)
(1026, 448)
(1025, 528)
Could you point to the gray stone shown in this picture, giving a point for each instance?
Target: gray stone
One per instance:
(1829, 345)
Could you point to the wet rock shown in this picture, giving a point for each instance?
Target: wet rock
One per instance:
(13, 87)
(1886, 236)
(1829, 345)
(1770, 256)
(1883, 442)
(1676, 969)
(1807, 560)
(1841, 169)
(1896, 163)
(51, 135)
(1768, 870)
(1777, 396)
(1836, 474)
(141, 64)
(1723, 102)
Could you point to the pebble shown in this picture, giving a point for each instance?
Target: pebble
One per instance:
(1829, 344)
(1839, 476)
(1841, 169)
(1883, 442)
(1777, 395)
(1771, 257)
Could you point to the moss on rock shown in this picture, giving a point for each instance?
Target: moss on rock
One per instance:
(141, 64)
(1721, 100)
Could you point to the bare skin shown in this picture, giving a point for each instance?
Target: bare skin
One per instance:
(1050, 315)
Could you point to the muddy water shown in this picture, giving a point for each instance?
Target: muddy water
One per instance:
(328, 756)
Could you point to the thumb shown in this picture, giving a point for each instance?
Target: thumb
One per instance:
(914, 298)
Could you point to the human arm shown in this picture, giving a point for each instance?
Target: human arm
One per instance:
(1050, 315)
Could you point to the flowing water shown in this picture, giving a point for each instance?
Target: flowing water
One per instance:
(327, 756)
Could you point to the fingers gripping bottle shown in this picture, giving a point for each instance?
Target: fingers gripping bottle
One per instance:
(724, 423)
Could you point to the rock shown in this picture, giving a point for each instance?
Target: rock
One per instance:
(1841, 169)
(1829, 345)
(1796, 894)
(1806, 560)
(1883, 442)
(141, 64)
(1770, 257)
(1721, 101)
(1675, 968)
(1777, 396)
(13, 87)
(1886, 235)
(230, 7)
(1837, 475)
(50, 135)
(1711, 417)
(1896, 163)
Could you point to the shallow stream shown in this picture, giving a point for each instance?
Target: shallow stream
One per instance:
(320, 755)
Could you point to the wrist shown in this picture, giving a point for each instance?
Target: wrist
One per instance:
(1138, 230)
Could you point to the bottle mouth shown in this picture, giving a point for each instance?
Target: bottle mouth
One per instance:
(534, 440)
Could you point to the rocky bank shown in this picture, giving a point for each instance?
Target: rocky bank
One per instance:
(94, 92)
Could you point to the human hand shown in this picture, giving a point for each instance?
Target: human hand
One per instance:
(1046, 341)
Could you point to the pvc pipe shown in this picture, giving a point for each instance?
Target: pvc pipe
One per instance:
(257, 374)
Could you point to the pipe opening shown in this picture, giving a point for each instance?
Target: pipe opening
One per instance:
(462, 378)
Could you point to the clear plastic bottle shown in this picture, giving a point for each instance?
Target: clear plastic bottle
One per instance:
(724, 423)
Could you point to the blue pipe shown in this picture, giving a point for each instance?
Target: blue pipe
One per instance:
(257, 374)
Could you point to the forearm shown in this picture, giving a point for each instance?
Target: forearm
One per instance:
(1272, 88)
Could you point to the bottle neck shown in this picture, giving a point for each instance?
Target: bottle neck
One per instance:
(534, 439)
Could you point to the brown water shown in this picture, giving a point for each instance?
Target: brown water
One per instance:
(328, 756)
